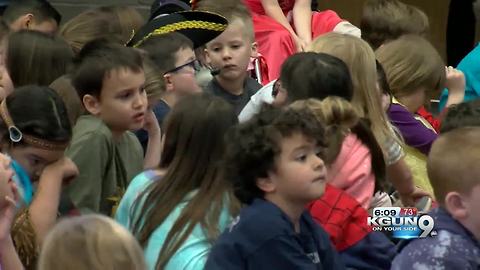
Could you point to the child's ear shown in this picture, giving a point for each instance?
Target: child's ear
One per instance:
(455, 205)
(208, 61)
(266, 184)
(167, 79)
(92, 104)
(254, 53)
(27, 21)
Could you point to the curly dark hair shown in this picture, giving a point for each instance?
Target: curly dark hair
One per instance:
(462, 115)
(253, 145)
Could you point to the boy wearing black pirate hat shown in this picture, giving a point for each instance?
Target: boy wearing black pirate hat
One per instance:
(169, 40)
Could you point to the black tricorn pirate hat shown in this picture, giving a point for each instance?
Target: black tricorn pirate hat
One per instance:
(160, 7)
(198, 26)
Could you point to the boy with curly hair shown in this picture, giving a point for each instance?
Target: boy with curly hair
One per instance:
(275, 161)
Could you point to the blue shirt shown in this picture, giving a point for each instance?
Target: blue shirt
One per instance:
(453, 248)
(192, 254)
(470, 66)
(263, 237)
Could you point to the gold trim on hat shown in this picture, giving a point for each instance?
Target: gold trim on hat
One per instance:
(31, 140)
(202, 25)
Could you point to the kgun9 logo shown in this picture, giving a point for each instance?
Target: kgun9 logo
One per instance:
(403, 223)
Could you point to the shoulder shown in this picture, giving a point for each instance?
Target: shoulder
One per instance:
(445, 251)
(251, 86)
(134, 190)
(256, 225)
(90, 128)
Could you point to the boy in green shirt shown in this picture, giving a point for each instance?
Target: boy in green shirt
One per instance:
(110, 82)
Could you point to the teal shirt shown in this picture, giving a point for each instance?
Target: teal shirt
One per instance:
(470, 66)
(192, 254)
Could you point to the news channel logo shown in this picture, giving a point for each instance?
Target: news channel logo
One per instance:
(402, 222)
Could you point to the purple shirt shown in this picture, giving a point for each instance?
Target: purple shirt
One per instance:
(413, 131)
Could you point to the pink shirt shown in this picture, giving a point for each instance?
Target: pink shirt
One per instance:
(352, 170)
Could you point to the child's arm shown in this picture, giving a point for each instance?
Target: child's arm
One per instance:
(9, 259)
(455, 84)
(302, 19)
(44, 208)
(273, 10)
(154, 147)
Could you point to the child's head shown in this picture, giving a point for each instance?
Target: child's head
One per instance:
(90, 25)
(154, 83)
(340, 119)
(386, 20)
(175, 60)
(109, 80)
(231, 51)
(277, 155)
(413, 67)
(36, 15)
(192, 153)
(315, 75)
(360, 59)
(462, 115)
(90, 242)
(36, 58)
(35, 129)
(455, 175)
(125, 19)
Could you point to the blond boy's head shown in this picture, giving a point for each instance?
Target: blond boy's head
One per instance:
(454, 172)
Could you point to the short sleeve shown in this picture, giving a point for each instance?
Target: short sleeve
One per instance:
(91, 153)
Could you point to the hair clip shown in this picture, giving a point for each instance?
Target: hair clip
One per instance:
(131, 37)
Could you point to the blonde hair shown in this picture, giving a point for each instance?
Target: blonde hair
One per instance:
(410, 63)
(340, 118)
(360, 60)
(447, 172)
(90, 242)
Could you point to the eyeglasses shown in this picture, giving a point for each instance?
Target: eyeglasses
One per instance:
(195, 64)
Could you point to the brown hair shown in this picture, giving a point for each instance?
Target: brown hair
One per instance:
(411, 62)
(360, 59)
(340, 118)
(114, 23)
(453, 162)
(192, 154)
(154, 82)
(36, 58)
(232, 10)
(90, 242)
(64, 88)
(384, 20)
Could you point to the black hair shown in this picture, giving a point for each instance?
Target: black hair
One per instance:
(162, 49)
(462, 115)
(96, 60)
(315, 75)
(38, 111)
(382, 79)
(253, 145)
(42, 10)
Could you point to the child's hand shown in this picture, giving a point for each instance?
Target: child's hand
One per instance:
(408, 200)
(7, 214)
(63, 169)
(455, 81)
(300, 44)
(151, 124)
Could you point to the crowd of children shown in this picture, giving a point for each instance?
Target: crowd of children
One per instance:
(232, 134)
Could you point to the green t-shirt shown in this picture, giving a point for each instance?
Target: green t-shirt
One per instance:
(106, 166)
